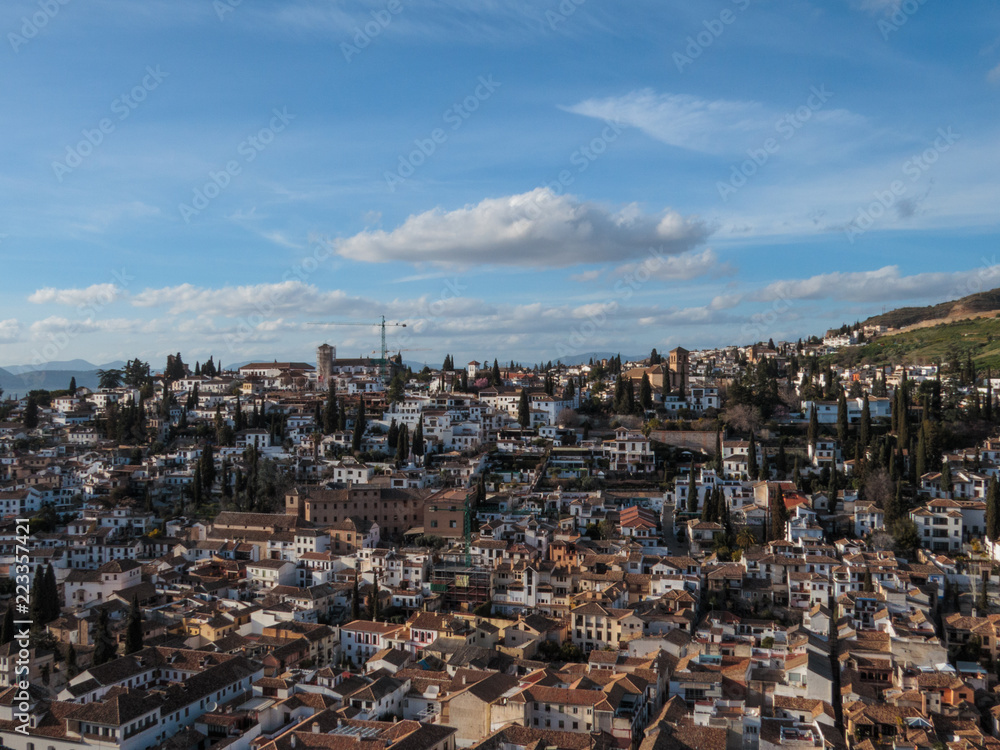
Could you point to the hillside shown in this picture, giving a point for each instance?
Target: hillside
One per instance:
(975, 305)
(933, 343)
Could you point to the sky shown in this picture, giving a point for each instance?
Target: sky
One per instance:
(529, 181)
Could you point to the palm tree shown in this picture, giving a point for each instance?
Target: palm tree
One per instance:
(745, 539)
(109, 378)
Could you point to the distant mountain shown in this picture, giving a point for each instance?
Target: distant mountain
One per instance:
(80, 365)
(49, 380)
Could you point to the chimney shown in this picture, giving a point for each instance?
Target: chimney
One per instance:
(463, 679)
(315, 727)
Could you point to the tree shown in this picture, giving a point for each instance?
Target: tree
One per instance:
(71, 667)
(403, 444)
(359, 426)
(813, 434)
(51, 591)
(993, 510)
(330, 418)
(866, 422)
(524, 410)
(842, 424)
(495, 379)
(745, 539)
(133, 628)
(417, 444)
(373, 601)
(356, 601)
(72, 386)
(7, 630)
(752, 468)
(31, 413)
(946, 477)
(39, 607)
(867, 584)
(104, 645)
(109, 379)
(645, 393)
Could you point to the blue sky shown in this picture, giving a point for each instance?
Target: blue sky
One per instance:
(526, 180)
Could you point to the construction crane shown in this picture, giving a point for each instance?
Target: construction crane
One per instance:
(383, 362)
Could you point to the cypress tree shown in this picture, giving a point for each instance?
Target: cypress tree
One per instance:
(645, 393)
(393, 435)
(719, 466)
(133, 629)
(765, 469)
(356, 601)
(7, 630)
(330, 417)
(813, 427)
(71, 667)
(842, 423)
(993, 510)
(403, 444)
(988, 404)
(359, 426)
(418, 439)
(921, 458)
(495, 378)
(524, 410)
(752, 457)
(51, 594)
(866, 422)
(39, 608)
(946, 477)
(104, 645)
(72, 386)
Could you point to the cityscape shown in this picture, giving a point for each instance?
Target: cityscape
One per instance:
(551, 375)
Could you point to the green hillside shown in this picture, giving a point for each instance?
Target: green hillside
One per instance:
(941, 343)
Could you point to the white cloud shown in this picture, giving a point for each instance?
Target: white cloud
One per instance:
(721, 126)
(537, 229)
(10, 331)
(680, 119)
(884, 284)
(591, 275)
(679, 267)
(96, 294)
(994, 75)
